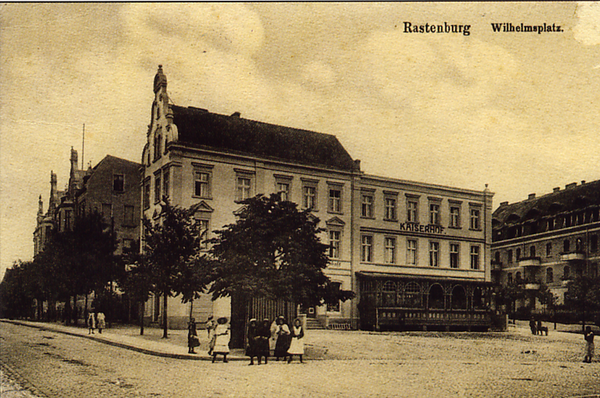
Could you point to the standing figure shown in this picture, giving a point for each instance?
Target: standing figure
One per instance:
(192, 336)
(91, 321)
(532, 326)
(222, 338)
(283, 339)
(264, 334)
(210, 329)
(101, 321)
(297, 343)
(253, 341)
(273, 330)
(589, 344)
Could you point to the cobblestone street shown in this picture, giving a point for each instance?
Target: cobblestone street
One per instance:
(339, 364)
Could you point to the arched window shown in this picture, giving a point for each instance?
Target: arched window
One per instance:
(389, 294)
(412, 296)
(549, 275)
(459, 298)
(478, 298)
(436, 297)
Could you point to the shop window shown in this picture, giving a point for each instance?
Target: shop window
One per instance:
(412, 296)
(436, 297)
(459, 298)
(389, 294)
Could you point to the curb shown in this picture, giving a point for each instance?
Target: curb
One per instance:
(123, 345)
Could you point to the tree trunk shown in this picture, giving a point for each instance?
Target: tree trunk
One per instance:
(142, 310)
(165, 296)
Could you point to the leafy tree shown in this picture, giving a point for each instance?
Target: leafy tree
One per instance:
(583, 296)
(172, 250)
(16, 293)
(273, 251)
(136, 282)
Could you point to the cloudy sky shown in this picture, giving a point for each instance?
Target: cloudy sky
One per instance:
(517, 111)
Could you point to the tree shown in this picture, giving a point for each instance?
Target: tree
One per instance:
(273, 251)
(136, 281)
(583, 296)
(16, 291)
(173, 252)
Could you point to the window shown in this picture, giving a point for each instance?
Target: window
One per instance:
(411, 251)
(157, 145)
(510, 256)
(128, 215)
(202, 184)
(118, 182)
(412, 211)
(147, 194)
(390, 250)
(518, 254)
(335, 307)
(509, 278)
(166, 182)
(454, 255)
(243, 188)
(106, 211)
(157, 188)
(475, 221)
(474, 257)
(283, 189)
(532, 251)
(549, 275)
(412, 295)
(335, 200)
(309, 197)
(367, 206)
(434, 248)
(548, 249)
(594, 243)
(578, 245)
(455, 217)
(566, 272)
(334, 243)
(566, 246)
(366, 253)
(69, 219)
(434, 213)
(497, 257)
(390, 209)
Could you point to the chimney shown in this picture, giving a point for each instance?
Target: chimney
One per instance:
(571, 185)
(556, 189)
(531, 196)
(502, 204)
(357, 165)
(236, 114)
(582, 182)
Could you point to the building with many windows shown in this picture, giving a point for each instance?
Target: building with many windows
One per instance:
(417, 255)
(548, 239)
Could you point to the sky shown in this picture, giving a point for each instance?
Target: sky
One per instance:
(517, 111)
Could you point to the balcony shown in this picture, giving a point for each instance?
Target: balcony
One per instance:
(572, 256)
(530, 262)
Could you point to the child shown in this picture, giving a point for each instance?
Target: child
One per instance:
(221, 339)
(589, 344)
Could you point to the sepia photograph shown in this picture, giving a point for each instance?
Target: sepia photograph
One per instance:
(320, 199)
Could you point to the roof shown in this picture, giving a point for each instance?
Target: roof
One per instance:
(203, 129)
(572, 198)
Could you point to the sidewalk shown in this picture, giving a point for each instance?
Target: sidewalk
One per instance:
(128, 337)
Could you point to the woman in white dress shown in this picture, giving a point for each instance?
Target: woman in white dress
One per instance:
(297, 344)
(222, 338)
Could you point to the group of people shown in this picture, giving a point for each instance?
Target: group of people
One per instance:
(96, 320)
(285, 342)
(218, 337)
(537, 327)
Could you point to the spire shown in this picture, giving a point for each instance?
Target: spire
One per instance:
(40, 206)
(160, 80)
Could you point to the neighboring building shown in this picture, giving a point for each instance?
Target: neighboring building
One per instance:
(548, 239)
(417, 255)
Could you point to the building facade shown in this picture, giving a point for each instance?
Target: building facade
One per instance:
(548, 240)
(429, 242)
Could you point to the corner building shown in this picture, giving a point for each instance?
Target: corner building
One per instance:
(549, 239)
(417, 255)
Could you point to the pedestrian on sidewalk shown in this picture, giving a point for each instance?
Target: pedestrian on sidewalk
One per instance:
(101, 321)
(283, 339)
(297, 343)
(532, 326)
(589, 344)
(222, 338)
(253, 341)
(91, 321)
(210, 329)
(193, 341)
(273, 339)
(264, 334)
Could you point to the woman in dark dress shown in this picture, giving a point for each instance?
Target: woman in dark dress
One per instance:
(192, 336)
(264, 334)
(283, 339)
(252, 345)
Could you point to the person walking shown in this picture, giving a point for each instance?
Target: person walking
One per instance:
(193, 341)
(283, 339)
(222, 338)
(297, 343)
(263, 349)
(210, 329)
(253, 338)
(91, 321)
(101, 318)
(589, 344)
(532, 326)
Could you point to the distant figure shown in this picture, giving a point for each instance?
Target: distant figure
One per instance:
(283, 339)
(91, 321)
(297, 343)
(532, 326)
(193, 341)
(222, 338)
(210, 329)
(253, 341)
(263, 349)
(101, 318)
(541, 328)
(273, 339)
(589, 344)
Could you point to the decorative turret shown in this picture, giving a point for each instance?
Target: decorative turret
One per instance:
(160, 80)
